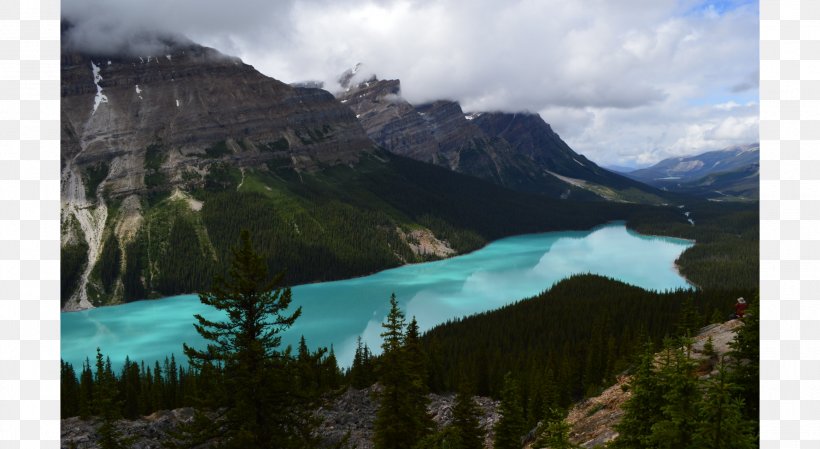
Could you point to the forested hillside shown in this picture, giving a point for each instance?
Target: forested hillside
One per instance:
(335, 223)
(727, 235)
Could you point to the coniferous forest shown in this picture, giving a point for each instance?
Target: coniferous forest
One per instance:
(538, 356)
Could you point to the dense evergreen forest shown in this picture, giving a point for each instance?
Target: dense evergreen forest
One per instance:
(331, 224)
(727, 235)
(537, 355)
(576, 336)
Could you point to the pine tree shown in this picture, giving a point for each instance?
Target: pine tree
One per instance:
(157, 388)
(680, 398)
(106, 406)
(69, 391)
(358, 377)
(264, 404)
(643, 409)
(86, 395)
(389, 431)
(721, 423)
(130, 387)
(554, 434)
(421, 423)
(746, 351)
(331, 375)
(510, 429)
(402, 419)
(466, 424)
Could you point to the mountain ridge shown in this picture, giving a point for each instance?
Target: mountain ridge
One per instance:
(730, 173)
(516, 150)
(165, 159)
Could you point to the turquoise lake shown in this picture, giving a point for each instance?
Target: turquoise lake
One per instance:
(337, 312)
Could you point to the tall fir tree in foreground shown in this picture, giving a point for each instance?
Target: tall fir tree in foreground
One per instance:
(263, 408)
(402, 419)
(106, 406)
(511, 427)
(466, 424)
(721, 423)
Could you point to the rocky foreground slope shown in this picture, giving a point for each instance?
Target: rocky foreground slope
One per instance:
(347, 417)
(350, 415)
(593, 420)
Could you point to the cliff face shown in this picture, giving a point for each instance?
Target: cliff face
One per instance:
(349, 415)
(519, 151)
(188, 101)
(143, 127)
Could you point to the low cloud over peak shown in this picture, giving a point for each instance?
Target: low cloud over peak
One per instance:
(620, 81)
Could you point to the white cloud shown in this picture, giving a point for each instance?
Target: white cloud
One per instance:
(622, 82)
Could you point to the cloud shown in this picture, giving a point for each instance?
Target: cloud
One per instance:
(618, 80)
(752, 81)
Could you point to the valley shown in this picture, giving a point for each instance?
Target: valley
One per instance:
(524, 274)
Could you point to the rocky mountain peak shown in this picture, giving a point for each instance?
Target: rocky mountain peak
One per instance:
(139, 126)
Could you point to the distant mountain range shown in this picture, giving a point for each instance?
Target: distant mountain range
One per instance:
(731, 173)
(516, 150)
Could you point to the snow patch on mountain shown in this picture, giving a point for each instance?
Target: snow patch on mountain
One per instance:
(99, 98)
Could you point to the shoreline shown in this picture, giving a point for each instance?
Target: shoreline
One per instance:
(592, 229)
(677, 270)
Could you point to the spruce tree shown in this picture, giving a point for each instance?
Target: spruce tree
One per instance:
(510, 429)
(263, 408)
(402, 419)
(86, 394)
(746, 353)
(106, 405)
(681, 396)
(421, 423)
(554, 434)
(389, 428)
(721, 423)
(466, 424)
(69, 391)
(358, 376)
(643, 409)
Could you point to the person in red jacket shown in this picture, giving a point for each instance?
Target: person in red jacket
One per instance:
(740, 307)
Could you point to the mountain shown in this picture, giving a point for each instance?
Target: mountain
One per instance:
(519, 151)
(165, 158)
(731, 173)
(619, 168)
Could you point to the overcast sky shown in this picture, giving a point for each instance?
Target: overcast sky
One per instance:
(625, 82)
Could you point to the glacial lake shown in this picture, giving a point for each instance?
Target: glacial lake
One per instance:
(337, 312)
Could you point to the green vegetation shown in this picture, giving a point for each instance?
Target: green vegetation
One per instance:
(280, 144)
(336, 223)
(258, 381)
(217, 150)
(402, 419)
(671, 407)
(109, 262)
(572, 339)
(727, 252)
(155, 180)
(511, 427)
(93, 175)
(73, 259)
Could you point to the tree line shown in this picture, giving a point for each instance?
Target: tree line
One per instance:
(537, 355)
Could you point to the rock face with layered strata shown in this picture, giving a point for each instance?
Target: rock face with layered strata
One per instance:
(189, 100)
(515, 150)
(134, 127)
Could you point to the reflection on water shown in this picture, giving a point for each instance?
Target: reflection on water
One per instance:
(337, 312)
